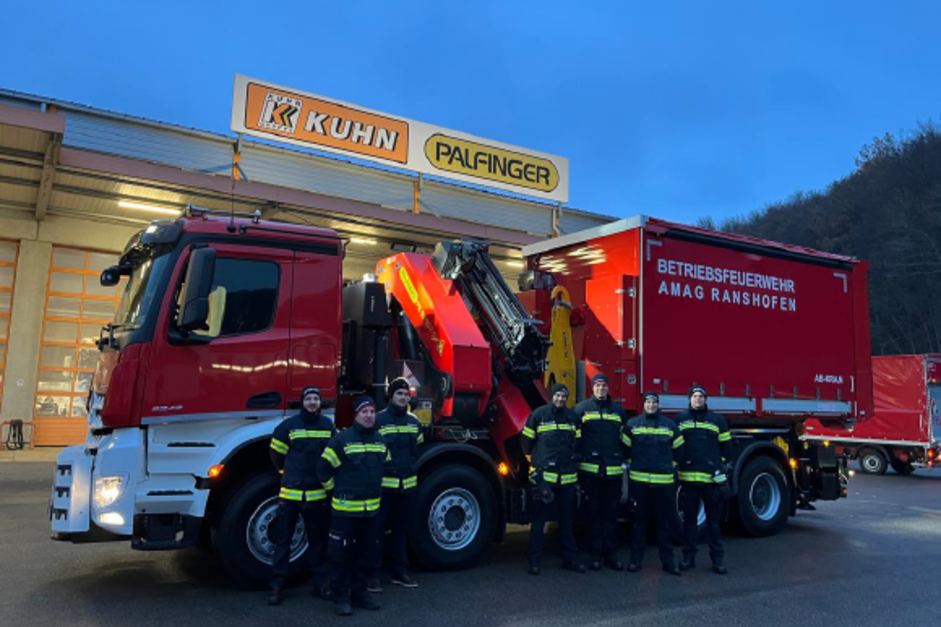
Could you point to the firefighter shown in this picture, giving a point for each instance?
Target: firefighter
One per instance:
(352, 466)
(704, 474)
(601, 459)
(654, 443)
(402, 432)
(296, 447)
(549, 441)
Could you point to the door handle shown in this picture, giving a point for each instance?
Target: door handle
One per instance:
(264, 400)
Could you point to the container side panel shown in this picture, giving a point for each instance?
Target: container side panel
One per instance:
(746, 325)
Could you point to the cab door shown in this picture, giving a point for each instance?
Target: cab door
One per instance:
(237, 366)
(316, 323)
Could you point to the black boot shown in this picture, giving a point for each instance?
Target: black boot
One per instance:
(275, 597)
(688, 563)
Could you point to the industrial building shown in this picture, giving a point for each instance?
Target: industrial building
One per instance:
(77, 182)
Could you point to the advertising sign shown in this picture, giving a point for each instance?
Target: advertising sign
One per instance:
(276, 113)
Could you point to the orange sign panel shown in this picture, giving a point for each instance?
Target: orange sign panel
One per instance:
(301, 118)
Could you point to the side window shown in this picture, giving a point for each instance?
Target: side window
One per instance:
(243, 297)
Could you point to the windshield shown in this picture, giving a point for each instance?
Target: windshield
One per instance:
(139, 292)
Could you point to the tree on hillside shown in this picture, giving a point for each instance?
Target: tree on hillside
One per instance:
(887, 211)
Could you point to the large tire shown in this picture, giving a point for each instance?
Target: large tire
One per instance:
(454, 518)
(241, 541)
(762, 500)
(872, 461)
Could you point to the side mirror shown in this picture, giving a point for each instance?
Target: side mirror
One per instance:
(194, 301)
(112, 276)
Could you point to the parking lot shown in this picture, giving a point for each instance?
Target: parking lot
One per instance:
(874, 558)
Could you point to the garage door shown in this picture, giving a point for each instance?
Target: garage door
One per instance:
(76, 308)
(8, 252)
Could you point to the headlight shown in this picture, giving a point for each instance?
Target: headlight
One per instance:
(108, 490)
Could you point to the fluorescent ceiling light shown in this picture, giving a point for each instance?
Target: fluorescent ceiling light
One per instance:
(126, 204)
(363, 240)
(515, 264)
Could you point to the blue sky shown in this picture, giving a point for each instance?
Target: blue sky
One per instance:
(677, 109)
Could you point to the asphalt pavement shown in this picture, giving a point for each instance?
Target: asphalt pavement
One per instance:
(871, 559)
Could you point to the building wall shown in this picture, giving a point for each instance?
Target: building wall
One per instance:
(36, 241)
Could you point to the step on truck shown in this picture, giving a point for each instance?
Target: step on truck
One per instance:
(225, 319)
(904, 432)
(777, 334)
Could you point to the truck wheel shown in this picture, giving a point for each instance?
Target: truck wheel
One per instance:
(902, 468)
(241, 538)
(872, 461)
(678, 520)
(455, 516)
(761, 500)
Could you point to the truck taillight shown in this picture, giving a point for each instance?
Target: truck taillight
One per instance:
(932, 453)
(118, 409)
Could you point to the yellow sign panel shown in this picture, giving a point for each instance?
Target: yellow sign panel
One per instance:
(461, 156)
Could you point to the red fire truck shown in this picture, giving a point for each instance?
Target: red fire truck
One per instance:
(224, 320)
(905, 429)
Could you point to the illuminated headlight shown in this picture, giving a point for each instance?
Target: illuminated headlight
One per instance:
(108, 489)
(111, 518)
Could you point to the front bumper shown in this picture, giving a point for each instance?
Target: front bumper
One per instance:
(73, 511)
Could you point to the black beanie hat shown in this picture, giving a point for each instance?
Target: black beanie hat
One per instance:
(598, 377)
(361, 402)
(697, 388)
(401, 383)
(558, 387)
(310, 390)
(653, 395)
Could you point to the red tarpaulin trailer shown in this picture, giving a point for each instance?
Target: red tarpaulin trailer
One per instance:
(905, 429)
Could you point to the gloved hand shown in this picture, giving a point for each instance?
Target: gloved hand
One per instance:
(724, 490)
(723, 485)
(542, 491)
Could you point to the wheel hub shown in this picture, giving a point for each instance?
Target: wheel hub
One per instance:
(454, 519)
(258, 533)
(765, 497)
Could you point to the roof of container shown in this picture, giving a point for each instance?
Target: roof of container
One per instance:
(658, 226)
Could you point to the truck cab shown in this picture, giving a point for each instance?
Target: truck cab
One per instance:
(220, 325)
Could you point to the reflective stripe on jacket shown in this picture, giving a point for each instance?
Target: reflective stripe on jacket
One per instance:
(654, 443)
(599, 447)
(352, 463)
(549, 437)
(402, 433)
(296, 447)
(708, 445)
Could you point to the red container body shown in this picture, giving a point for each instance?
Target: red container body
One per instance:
(771, 331)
